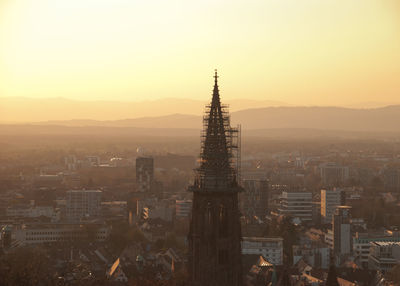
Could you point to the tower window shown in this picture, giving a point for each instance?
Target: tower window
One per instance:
(208, 214)
(223, 221)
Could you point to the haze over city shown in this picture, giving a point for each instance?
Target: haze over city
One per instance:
(199, 143)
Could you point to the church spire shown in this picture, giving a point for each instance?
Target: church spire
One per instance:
(215, 98)
(214, 233)
(331, 280)
(216, 171)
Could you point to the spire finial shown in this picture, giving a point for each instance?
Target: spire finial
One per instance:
(216, 76)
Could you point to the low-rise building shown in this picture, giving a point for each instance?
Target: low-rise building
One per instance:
(28, 211)
(168, 259)
(315, 254)
(115, 273)
(383, 256)
(158, 211)
(52, 233)
(183, 208)
(114, 208)
(83, 204)
(271, 248)
(48, 181)
(362, 245)
(333, 173)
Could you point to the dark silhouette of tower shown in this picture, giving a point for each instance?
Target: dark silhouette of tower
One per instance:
(215, 234)
(332, 276)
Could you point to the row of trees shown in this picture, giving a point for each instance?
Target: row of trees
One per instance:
(26, 266)
(123, 234)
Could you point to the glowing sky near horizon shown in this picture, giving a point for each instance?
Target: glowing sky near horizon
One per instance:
(301, 52)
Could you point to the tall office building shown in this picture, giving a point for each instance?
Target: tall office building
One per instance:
(330, 200)
(215, 232)
(342, 231)
(144, 174)
(297, 204)
(83, 204)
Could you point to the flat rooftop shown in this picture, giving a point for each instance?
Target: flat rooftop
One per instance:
(262, 239)
(84, 191)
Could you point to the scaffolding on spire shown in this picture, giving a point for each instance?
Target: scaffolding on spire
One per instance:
(214, 256)
(220, 147)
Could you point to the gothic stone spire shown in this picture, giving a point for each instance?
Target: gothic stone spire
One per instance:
(216, 171)
(215, 234)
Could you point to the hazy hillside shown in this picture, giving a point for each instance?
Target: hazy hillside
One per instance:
(167, 121)
(384, 119)
(332, 118)
(18, 109)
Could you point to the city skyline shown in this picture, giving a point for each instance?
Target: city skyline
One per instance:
(200, 143)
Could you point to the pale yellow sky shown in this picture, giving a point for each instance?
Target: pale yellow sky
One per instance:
(301, 52)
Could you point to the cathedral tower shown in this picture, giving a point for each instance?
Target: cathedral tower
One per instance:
(215, 234)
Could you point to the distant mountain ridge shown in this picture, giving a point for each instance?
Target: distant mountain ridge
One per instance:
(25, 110)
(167, 121)
(385, 119)
(174, 113)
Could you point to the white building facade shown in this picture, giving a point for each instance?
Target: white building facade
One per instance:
(297, 205)
(271, 248)
(383, 255)
(61, 233)
(362, 245)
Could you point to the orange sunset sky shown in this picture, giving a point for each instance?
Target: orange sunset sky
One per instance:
(316, 52)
